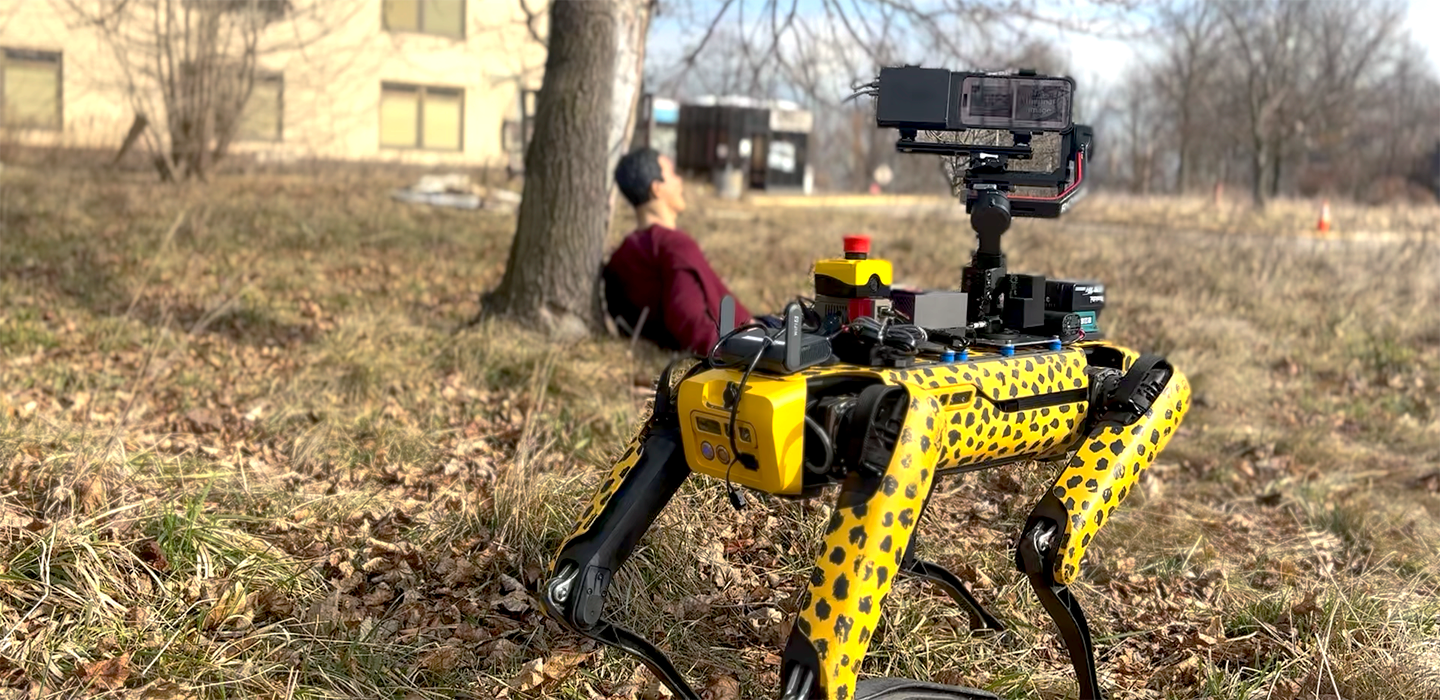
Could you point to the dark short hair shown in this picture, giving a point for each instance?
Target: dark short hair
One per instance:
(636, 172)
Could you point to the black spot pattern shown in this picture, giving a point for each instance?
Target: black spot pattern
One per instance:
(889, 485)
(857, 536)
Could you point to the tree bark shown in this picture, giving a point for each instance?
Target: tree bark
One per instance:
(1257, 171)
(583, 121)
(560, 235)
(630, 30)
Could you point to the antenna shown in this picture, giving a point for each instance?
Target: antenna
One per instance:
(793, 320)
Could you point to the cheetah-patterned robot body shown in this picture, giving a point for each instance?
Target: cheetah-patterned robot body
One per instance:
(883, 393)
(926, 422)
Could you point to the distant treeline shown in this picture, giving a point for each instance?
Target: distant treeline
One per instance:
(1267, 97)
(1323, 97)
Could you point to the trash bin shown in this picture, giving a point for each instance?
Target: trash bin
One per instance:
(730, 183)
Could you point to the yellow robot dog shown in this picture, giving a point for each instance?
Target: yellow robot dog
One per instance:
(883, 391)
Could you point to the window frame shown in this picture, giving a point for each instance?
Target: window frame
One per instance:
(279, 137)
(43, 56)
(420, 92)
(420, 27)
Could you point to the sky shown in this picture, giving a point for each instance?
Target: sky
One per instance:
(1093, 58)
(1095, 61)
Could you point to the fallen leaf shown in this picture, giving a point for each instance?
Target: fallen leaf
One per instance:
(531, 675)
(109, 674)
(441, 660)
(233, 610)
(722, 688)
(149, 552)
(514, 602)
(163, 690)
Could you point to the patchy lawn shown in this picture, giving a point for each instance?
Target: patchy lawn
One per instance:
(249, 450)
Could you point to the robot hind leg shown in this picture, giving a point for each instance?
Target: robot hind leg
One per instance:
(1132, 425)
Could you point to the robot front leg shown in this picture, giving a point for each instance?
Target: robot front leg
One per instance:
(866, 540)
(1132, 425)
(640, 485)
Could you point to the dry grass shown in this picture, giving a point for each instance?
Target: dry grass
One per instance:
(1281, 217)
(246, 454)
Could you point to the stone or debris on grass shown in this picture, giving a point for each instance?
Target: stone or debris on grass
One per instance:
(458, 192)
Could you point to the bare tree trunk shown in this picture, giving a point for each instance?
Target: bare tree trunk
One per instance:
(1182, 153)
(633, 23)
(559, 239)
(1276, 166)
(1257, 167)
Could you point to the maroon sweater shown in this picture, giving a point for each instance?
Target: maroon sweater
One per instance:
(663, 269)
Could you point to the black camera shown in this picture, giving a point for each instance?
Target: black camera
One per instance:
(935, 99)
(1002, 309)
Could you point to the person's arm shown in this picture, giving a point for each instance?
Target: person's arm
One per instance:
(691, 307)
(688, 315)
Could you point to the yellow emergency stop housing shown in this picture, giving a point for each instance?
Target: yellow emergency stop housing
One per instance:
(839, 277)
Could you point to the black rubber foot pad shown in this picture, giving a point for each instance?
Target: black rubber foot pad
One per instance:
(906, 689)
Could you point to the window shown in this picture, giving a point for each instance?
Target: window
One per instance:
(263, 116)
(414, 116)
(439, 17)
(30, 89)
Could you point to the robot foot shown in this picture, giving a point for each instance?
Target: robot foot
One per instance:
(906, 689)
(980, 618)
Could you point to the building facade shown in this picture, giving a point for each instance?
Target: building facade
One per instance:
(414, 81)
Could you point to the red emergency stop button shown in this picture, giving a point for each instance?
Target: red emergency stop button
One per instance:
(857, 246)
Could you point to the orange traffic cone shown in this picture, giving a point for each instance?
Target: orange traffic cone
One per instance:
(1324, 225)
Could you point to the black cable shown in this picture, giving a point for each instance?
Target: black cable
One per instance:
(905, 336)
(824, 439)
(710, 357)
(737, 500)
